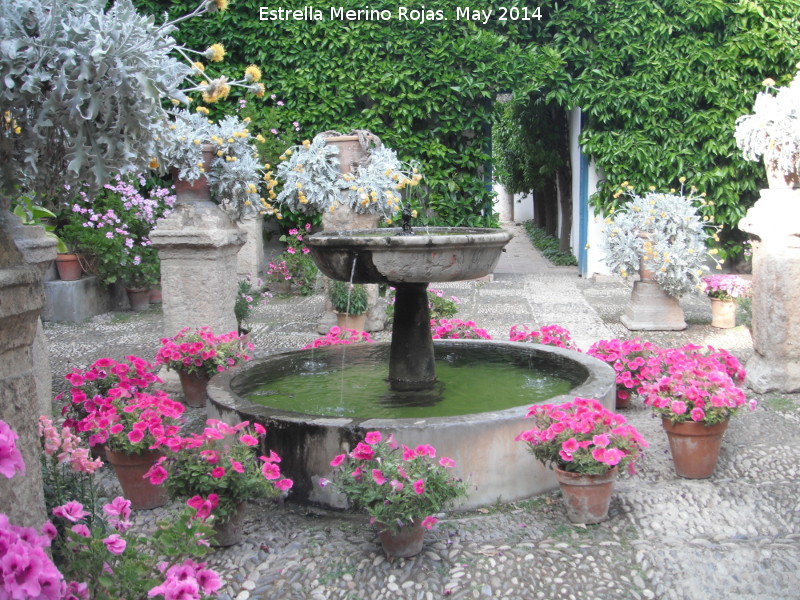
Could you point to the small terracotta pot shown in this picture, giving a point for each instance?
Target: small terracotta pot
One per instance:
(230, 532)
(694, 447)
(130, 470)
(68, 267)
(194, 386)
(139, 299)
(155, 296)
(586, 497)
(723, 313)
(405, 543)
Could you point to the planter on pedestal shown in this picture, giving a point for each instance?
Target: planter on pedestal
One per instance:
(130, 470)
(723, 313)
(405, 543)
(586, 497)
(650, 307)
(694, 447)
(197, 244)
(352, 152)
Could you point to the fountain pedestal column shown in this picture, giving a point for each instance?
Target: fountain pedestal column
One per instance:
(775, 221)
(411, 360)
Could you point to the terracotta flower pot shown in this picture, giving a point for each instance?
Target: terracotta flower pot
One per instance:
(356, 322)
(723, 313)
(586, 497)
(130, 470)
(194, 386)
(694, 447)
(155, 296)
(623, 396)
(405, 543)
(777, 178)
(230, 532)
(68, 267)
(139, 299)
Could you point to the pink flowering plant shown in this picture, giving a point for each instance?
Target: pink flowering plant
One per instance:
(725, 287)
(695, 384)
(582, 436)
(219, 468)
(456, 329)
(10, 457)
(549, 335)
(629, 360)
(396, 485)
(340, 336)
(294, 265)
(201, 351)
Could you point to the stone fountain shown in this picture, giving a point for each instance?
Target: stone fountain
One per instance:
(481, 442)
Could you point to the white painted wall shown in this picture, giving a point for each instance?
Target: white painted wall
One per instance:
(595, 264)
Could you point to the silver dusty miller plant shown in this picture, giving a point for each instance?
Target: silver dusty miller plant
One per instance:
(772, 131)
(312, 181)
(82, 94)
(667, 233)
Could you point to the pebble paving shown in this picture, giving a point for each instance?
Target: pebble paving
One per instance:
(733, 536)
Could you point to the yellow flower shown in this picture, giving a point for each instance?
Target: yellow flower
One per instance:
(17, 129)
(196, 142)
(414, 214)
(288, 153)
(768, 82)
(259, 90)
(260, 138)
(624, 273)
(202, 110)
(230, 140)
(221, 4)
(652, 188)
(153, 163)
(215, 52)
(252, 74)
(681, 179)
(282, 157)
(199, 67)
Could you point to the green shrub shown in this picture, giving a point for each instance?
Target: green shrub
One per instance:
(548, 246)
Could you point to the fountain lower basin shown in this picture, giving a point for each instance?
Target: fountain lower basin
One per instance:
(481, 443)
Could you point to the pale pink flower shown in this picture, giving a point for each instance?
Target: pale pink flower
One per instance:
(81, 529)
(115, 544)
(71, 511)
(377, 477)
(447, 462)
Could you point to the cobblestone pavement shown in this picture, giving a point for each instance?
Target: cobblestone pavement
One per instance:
(736, 535)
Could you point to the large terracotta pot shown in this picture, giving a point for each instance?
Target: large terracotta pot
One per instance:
(356, 322)
(69, 267)
(586, 497)
(723, 313)
(198, 189)
(139, 299)
(778, 179)
(694, 447)
(230, 532)
(405, 543)
(194, 386)
(130, 470)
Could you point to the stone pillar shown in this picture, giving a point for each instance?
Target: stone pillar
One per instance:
(198, 245)
(251, 259)
(38, 250)
(21, 301)
(775, 222)
(343, 218)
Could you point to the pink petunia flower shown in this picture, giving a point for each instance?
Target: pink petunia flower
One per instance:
(429, 522)
(115, 544)
(218, 472)
(373, 437)
(419, 486)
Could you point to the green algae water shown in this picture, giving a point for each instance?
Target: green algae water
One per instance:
(467, 384)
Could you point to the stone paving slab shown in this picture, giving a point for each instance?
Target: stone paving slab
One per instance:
(735, 535)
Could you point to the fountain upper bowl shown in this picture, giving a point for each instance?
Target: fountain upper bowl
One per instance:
(432, 254)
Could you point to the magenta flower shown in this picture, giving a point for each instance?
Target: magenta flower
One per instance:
(71, 511)
(419, 486)
(218, 472)
(248, 440)
(373, 437)
(565, 456)
(10, 456)
(570, 445)
(601, 440)
(284, 484)
(377, 477)
(362, 452)
(337, 460)
(237, 466)
(270, 471)
(447, 462)
(81, 529)
(429, 522)
(157, 474)
(678, 407)
(115, 544)
(698, 414)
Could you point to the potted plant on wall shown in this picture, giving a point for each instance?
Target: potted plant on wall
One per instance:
(772, 132)
(400, 488)
(586, 445)
(350, 302)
